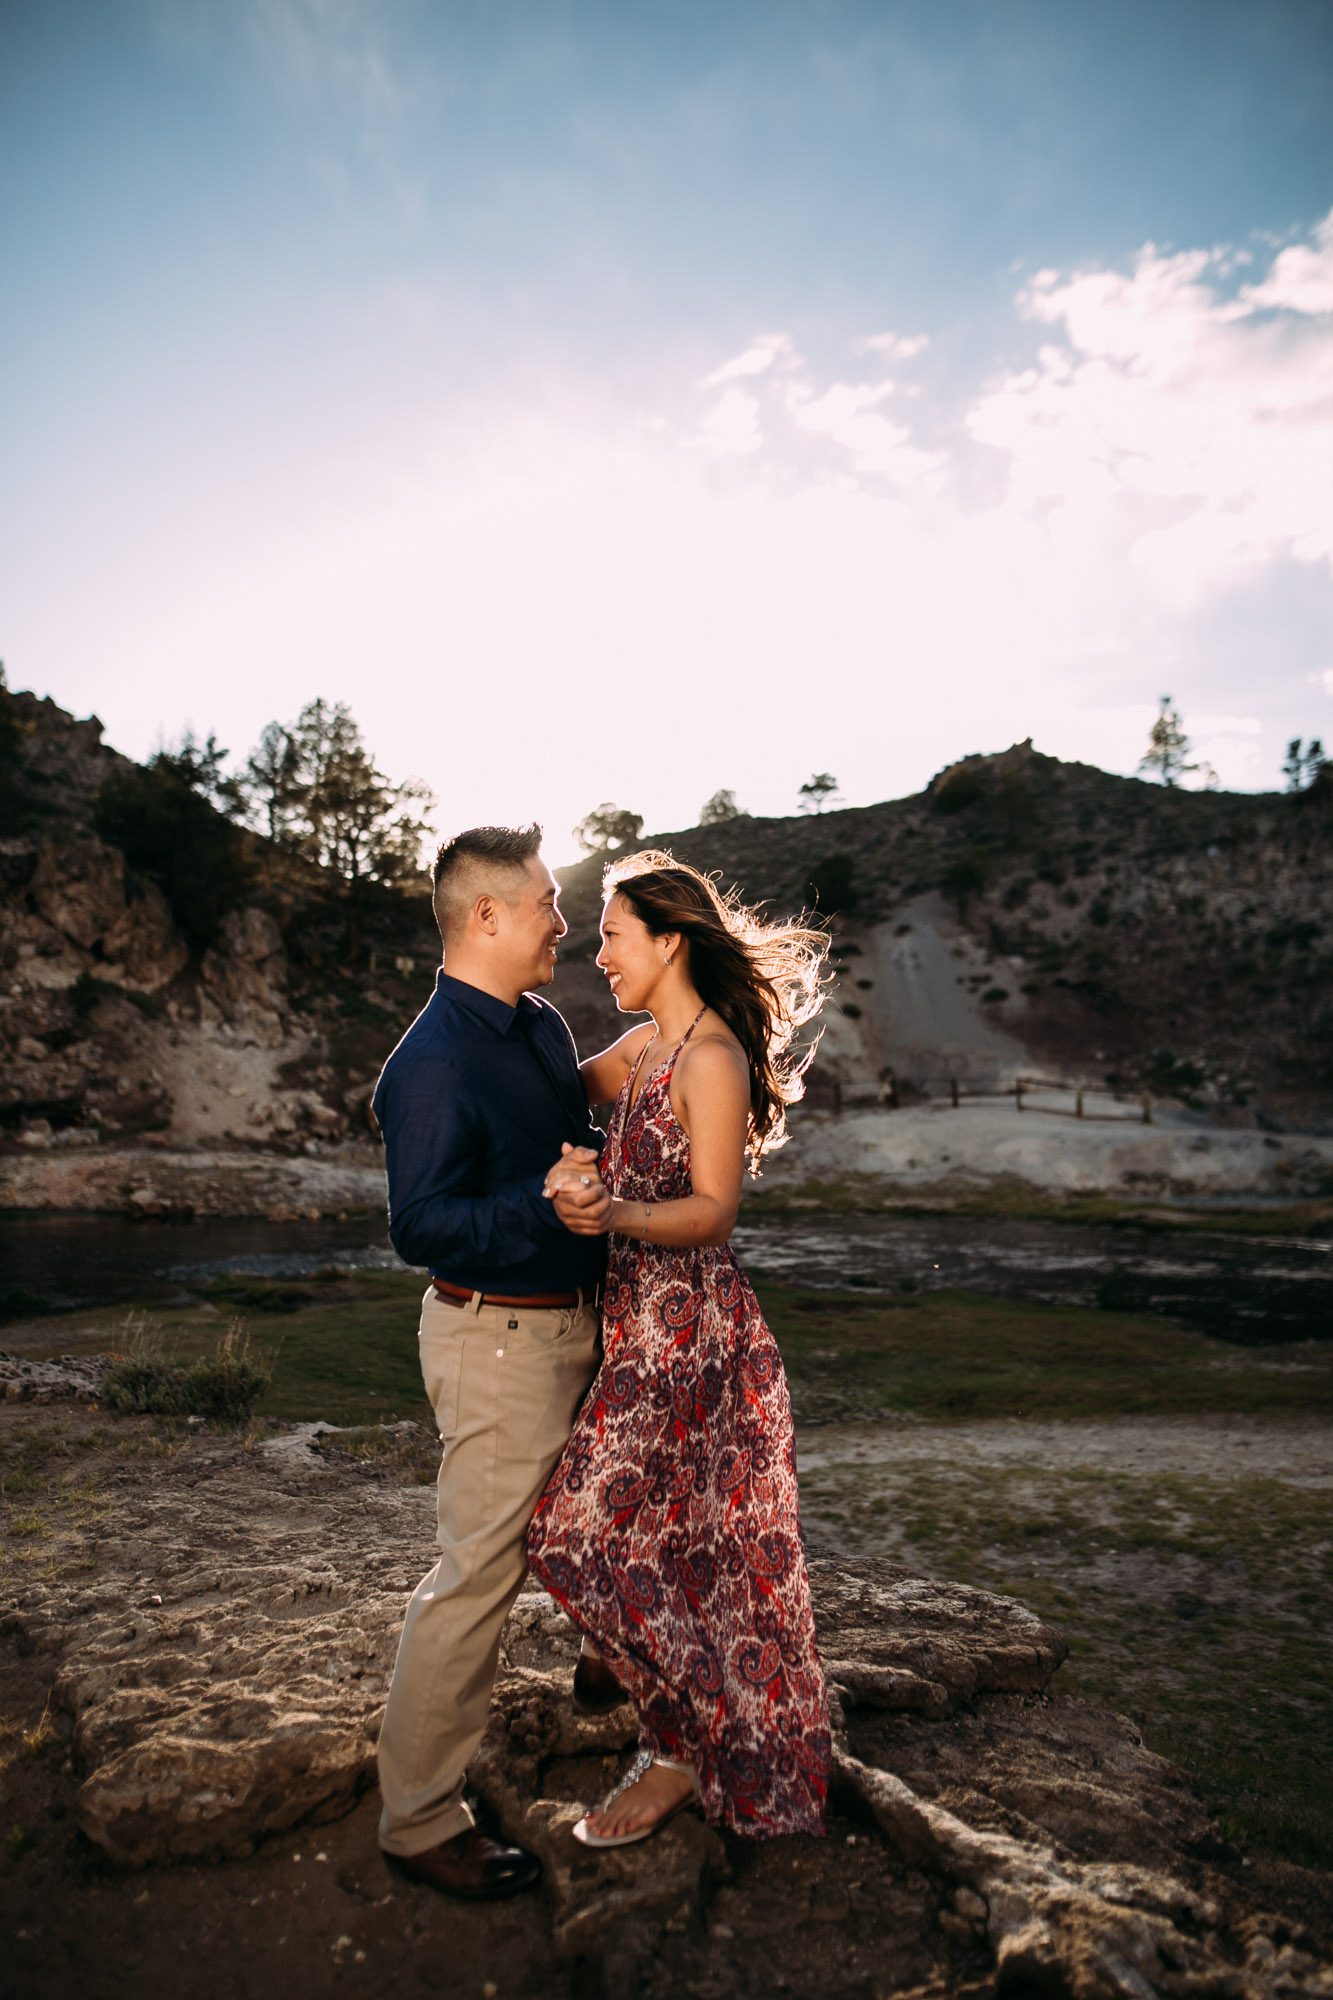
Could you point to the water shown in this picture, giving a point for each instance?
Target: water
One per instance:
(56, 1263)
(1250, 1289)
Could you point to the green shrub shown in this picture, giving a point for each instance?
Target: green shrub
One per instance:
(957, 790)
(169, 832)
(223, 1386)
(831, 887)
(963, 879)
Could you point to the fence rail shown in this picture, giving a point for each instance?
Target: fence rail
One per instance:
(893, 1092)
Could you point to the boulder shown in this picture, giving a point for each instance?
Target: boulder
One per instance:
(78, 886)
(144, 948)
(245, 977)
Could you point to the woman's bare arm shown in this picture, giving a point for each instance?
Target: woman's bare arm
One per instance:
(603, 1074)
(712, 1095)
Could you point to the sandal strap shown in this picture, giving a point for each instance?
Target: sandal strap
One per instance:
(642, 1764)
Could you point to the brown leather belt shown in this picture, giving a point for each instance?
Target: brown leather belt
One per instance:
(535, 1301)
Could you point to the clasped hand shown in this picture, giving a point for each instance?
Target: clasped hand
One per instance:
(575, 1186)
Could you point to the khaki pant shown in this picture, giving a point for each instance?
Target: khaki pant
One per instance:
(505, 1384)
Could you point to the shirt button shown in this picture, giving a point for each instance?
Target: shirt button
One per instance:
(499, 1354)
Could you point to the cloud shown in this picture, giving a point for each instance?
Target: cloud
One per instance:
(1301, 279)
(731, 428)
(1193, 428)
(1172, 421)
(1229, 725)
(846, 414)
(836, 575)
(897, 346)
(756, 359)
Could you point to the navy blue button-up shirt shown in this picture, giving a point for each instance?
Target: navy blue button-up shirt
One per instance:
(473, 1104)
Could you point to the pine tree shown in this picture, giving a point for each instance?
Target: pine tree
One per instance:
(722, 806)
(817, 791)
(1303, 765)
(607, 828)
(321, 793)
(1168, 746)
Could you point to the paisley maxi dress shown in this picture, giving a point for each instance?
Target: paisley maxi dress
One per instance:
(669, 1530)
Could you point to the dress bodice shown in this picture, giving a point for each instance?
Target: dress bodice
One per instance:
(647, 1156)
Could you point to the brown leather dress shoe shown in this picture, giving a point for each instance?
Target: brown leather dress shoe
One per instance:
(471, 1865)
(596, 1689)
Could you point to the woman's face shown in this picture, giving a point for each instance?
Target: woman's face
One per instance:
(631, 957)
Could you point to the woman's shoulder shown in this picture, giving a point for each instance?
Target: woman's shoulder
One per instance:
(712, 1050)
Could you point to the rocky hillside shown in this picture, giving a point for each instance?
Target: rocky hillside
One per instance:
(174, 979)
(170, 977)
(1108, 928)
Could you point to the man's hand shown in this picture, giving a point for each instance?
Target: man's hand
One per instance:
(576, 1167)
(575, 1186)
(584, 1210)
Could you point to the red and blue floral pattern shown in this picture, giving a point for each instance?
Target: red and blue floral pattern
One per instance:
(670, 1530)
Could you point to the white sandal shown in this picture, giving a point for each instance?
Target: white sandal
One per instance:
(642, 1764)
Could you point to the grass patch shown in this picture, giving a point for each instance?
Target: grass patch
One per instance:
(1016, 1201)
(1202, 1607)
(222, 1386)
(409, 1452)
(353, 1360)
(50, 1467)
(959, 1356)
(38, 1740)
(240, 1292)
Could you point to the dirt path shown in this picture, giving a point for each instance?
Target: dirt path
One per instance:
(925, 1009)
(1298, 1451)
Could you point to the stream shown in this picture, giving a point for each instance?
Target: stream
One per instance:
(1256, 1290)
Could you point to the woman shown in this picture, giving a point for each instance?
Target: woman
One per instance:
(669, 1529)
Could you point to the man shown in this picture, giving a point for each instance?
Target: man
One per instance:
(475, 1104)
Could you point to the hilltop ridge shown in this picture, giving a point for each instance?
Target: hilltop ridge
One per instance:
(1019, 914)
(1116, 930)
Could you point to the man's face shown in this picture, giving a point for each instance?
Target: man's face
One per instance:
(531, 926)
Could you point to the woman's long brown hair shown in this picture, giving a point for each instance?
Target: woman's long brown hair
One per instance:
(766, 980)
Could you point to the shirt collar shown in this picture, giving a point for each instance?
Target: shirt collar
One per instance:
(495, 1013)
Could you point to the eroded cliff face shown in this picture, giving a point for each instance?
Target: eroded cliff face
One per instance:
(114, 1030)
(216, 1625)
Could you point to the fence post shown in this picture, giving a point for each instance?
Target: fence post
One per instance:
(953, 1091)
(1078, 1104)
(372, 961)
(1147, 1108)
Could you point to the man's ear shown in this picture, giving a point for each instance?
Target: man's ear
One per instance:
(486, 915)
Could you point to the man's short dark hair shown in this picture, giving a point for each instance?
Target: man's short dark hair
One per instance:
(483, 857)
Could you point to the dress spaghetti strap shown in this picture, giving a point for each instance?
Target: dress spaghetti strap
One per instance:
(669, 1057)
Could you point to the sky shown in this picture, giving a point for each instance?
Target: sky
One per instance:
(622, 402)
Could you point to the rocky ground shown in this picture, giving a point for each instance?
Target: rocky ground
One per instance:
(198, 1632)
(927, 1154)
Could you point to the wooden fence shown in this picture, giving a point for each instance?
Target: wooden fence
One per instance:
(833, 1095)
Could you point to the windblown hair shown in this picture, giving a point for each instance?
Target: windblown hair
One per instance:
(472, 862)
(766, 980)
